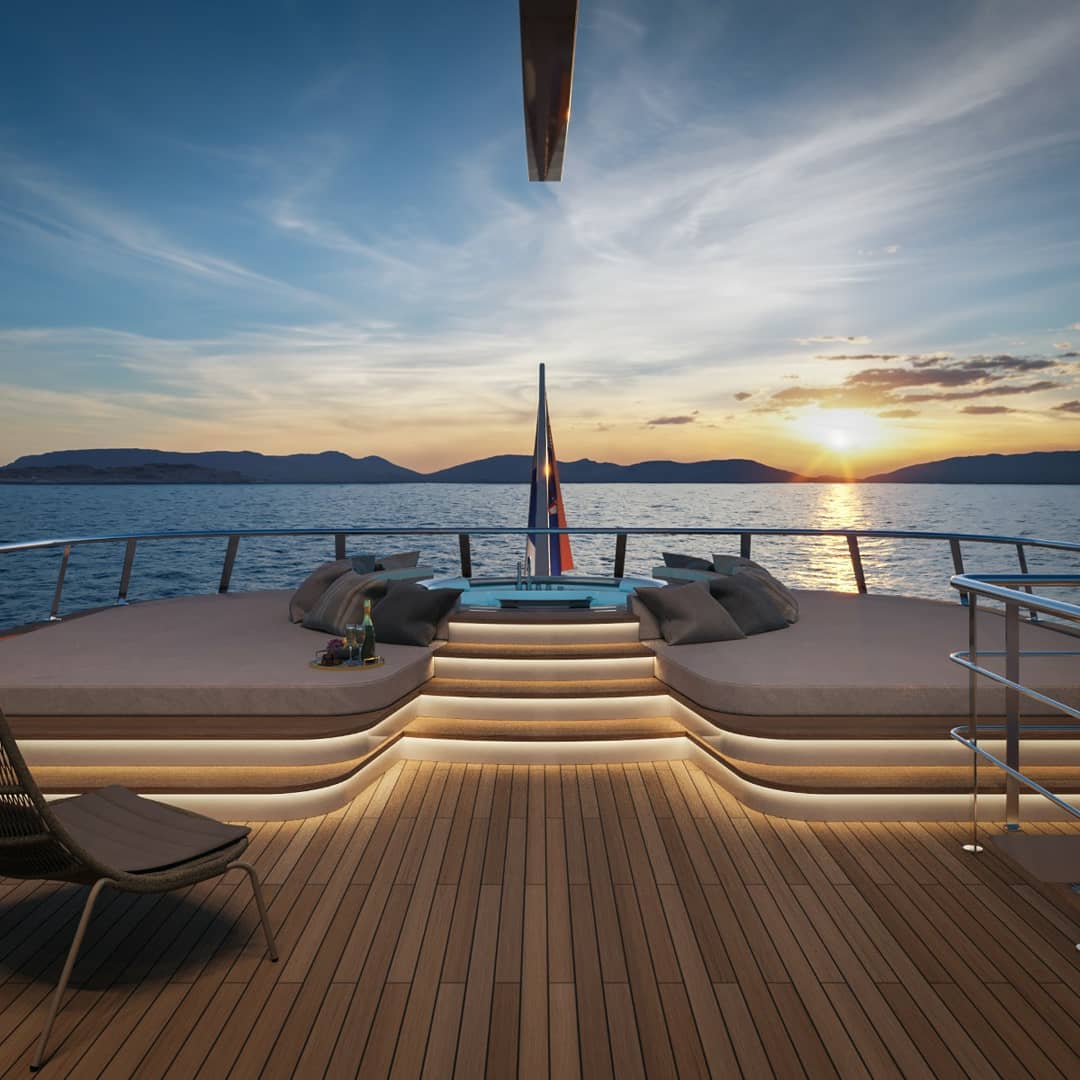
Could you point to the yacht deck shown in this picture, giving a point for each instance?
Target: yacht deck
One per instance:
(577, 920)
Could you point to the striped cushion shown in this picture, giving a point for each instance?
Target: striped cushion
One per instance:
(343, 602)
(314, 585)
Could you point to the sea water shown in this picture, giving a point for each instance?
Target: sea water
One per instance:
(169, 568)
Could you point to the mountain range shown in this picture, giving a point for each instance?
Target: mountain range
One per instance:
(334, 467)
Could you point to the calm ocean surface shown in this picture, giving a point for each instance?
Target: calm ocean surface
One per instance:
(919, 568)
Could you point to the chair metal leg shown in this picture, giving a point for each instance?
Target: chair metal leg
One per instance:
(69, 964)
(256, 888)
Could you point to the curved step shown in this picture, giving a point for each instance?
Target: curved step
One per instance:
(581, 671)
(616, 728)
(603, 650)
(495, 632)
(544, 688)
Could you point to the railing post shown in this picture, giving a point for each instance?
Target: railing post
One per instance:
(465, 550)
(1012, 714)
(856, 561)
(973, 724)
(958, 564)
(620, 555)
(227, 567)
(1022, 557)
(125, 574)
(744, 544)
(339, 545)
(54, 611)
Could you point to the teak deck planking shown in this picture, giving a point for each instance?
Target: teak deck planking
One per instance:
(630, 920)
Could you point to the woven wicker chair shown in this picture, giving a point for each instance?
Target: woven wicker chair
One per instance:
(108, 837)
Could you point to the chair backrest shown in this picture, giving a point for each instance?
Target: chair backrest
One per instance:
(32, 845)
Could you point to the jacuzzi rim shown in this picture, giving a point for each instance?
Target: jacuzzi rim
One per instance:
(568, 582)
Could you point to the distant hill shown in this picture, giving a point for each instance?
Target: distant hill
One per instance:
(514, 469)
(1050, 467)
(330, 467)
(120, 474)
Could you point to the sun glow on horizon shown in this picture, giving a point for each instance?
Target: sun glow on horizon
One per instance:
(843, 430)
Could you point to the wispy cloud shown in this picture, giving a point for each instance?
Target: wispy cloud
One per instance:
(665, 421)
(851, 339)
(77, 223)
(922, 379)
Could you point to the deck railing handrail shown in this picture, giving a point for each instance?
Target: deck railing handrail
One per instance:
(998, 587)
(507, 530)
(852, 537)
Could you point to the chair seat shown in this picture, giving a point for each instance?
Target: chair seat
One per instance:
(126, 832)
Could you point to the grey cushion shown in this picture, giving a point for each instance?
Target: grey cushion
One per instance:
(735, 564)
(409, 614)
(648, 627)
(343, 602)
(749, 601)
(398, 561)
(314, 585)
(686, 562)
(363, 564)
(688, 614)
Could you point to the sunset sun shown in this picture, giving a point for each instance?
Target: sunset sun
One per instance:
(843, 430)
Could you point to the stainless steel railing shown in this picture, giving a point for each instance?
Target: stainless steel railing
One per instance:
(233, 537)
(1001, 588)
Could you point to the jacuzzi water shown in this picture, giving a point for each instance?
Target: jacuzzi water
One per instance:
(489, 592)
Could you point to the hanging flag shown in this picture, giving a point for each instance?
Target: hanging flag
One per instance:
(546, 556)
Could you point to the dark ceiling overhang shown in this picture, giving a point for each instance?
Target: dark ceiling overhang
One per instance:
(548, 29)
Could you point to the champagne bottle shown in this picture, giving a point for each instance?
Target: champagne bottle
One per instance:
(367, 650)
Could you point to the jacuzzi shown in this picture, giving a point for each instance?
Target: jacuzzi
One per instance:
(541, 593)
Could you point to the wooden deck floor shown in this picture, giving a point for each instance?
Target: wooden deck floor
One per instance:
(576, 921)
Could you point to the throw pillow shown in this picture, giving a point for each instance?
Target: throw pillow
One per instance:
(343, 602)
(648, 627)
(688, 614)
(363, 564)
(409, 614)
(686, 562)
(735, 564)
(314, 585)
(749, 601)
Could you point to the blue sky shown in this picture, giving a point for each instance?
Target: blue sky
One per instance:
(286, 226)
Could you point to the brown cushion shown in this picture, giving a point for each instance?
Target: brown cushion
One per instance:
(686, 562)
(409, 614)
(736, 564)
(688, 614)
(401, 560)
(749, 601)
(343, 602)
(314, 585)
(125, 832)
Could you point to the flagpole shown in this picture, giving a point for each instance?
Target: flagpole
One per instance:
(539, 516)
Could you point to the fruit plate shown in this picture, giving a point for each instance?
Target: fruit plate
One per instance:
(375, 661)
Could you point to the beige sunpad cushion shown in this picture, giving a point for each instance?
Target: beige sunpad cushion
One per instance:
(873, 655)
(217, 655)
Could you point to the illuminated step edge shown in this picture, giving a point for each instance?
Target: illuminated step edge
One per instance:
(322, 751)
(562, 670)
(507, 633)
(858, 806)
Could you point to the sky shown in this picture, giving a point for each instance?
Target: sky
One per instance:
(836, 237)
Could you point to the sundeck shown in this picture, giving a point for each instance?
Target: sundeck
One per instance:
(544, 842)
